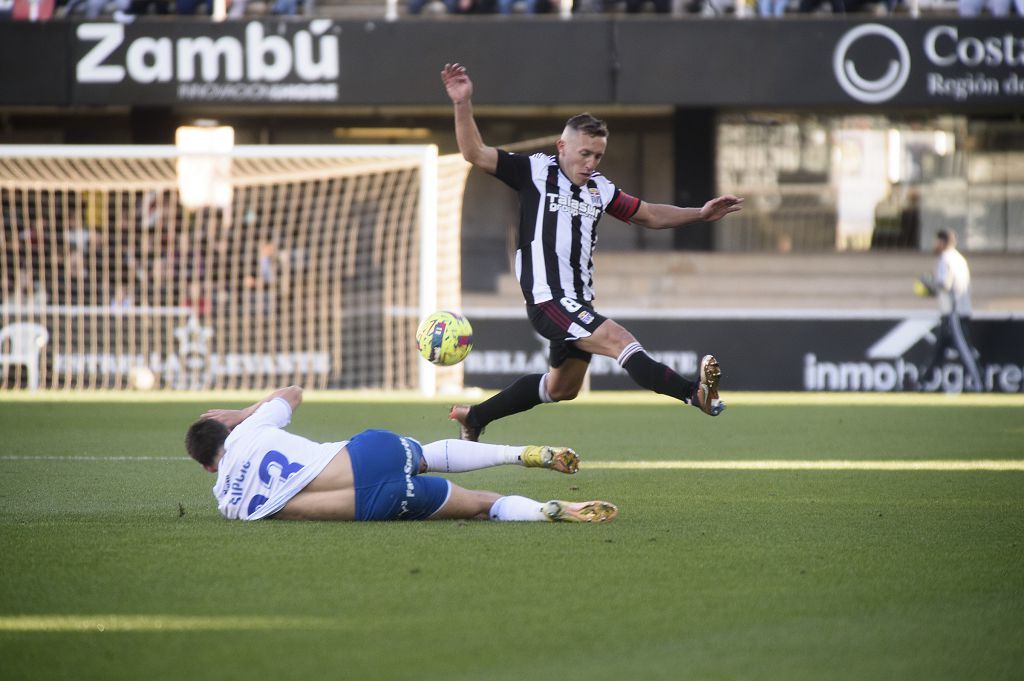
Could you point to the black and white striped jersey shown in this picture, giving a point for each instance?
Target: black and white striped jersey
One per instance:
(558, 225)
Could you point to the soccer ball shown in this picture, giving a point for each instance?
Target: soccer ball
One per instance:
(445, 338)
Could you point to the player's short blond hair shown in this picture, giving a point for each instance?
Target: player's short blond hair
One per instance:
(588, 125)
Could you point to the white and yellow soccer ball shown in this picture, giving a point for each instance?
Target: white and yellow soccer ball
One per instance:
(444, 338)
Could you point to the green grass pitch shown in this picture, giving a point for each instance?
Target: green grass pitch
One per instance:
(122, 569)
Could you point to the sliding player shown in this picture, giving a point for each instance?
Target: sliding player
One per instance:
(264, 471)
(562, 198)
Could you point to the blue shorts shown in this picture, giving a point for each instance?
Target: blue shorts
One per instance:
(385, 468)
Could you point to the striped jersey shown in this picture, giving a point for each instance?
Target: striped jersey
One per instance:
(558, 225)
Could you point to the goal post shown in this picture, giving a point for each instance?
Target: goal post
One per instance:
(314, 267)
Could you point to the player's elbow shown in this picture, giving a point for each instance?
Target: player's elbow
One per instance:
(483, 157)
(477, 157)
(292, 395)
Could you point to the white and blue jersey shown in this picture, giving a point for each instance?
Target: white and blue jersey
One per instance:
(264, 466)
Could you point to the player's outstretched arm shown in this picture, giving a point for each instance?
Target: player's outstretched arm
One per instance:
(232, 417)
(460, 90)
(665, 216)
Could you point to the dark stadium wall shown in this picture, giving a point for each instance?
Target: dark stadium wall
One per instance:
(695, 172)
(34, 62)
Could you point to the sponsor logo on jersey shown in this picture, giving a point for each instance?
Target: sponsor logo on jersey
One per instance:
(571, 206)
(410, 489)
(236, 487)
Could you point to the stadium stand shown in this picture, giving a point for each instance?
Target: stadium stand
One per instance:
(767, 281)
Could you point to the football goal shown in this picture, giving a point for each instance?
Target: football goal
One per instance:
(249, 268)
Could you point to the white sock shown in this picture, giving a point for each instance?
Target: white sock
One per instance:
(458, 456)
(628, 352)
(517, 508)
(542, 390)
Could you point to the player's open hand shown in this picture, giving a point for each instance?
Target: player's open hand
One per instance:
(716, 209)
(456, 82)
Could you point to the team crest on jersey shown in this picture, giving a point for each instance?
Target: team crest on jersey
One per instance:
(585, 317)
(595, 198)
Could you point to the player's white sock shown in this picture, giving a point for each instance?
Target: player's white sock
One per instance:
(628, 352)
(517, 508)
(458, 456)
(542, 390)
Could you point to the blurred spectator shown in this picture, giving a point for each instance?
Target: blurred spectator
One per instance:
(184, 7)
(122, 298)
(809, 6)
(285, 7)
(268, 262)
(94, 8)
(138, 7)
(196, 300)
(453, 6)
(637, 6)
(529, 6)
(32, 10)
(998, 8)
(843, 6)
(772, 8)
(29, 289)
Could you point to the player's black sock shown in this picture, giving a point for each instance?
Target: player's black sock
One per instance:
(653, 375)
(522, 395)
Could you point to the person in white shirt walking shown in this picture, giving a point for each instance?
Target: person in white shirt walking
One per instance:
(951, 284)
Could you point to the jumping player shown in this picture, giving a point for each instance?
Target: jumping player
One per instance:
(264, 471)
(562, 198)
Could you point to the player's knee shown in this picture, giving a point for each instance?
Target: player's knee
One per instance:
(612, 338)
(562, 393)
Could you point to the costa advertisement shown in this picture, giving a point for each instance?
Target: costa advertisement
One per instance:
(914, 62)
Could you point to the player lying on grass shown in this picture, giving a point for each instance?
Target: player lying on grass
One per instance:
(562, 198)
(264, 471)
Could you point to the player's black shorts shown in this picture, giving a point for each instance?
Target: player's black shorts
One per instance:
(562, 322)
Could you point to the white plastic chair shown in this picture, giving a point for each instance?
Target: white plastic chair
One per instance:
(21, 343)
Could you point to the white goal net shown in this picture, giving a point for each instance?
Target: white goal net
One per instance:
(314, 269)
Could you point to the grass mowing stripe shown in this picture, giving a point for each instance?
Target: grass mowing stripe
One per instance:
(617, 397)
(101, 623)
(764, 465)
(92, 458)
(801, 465)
